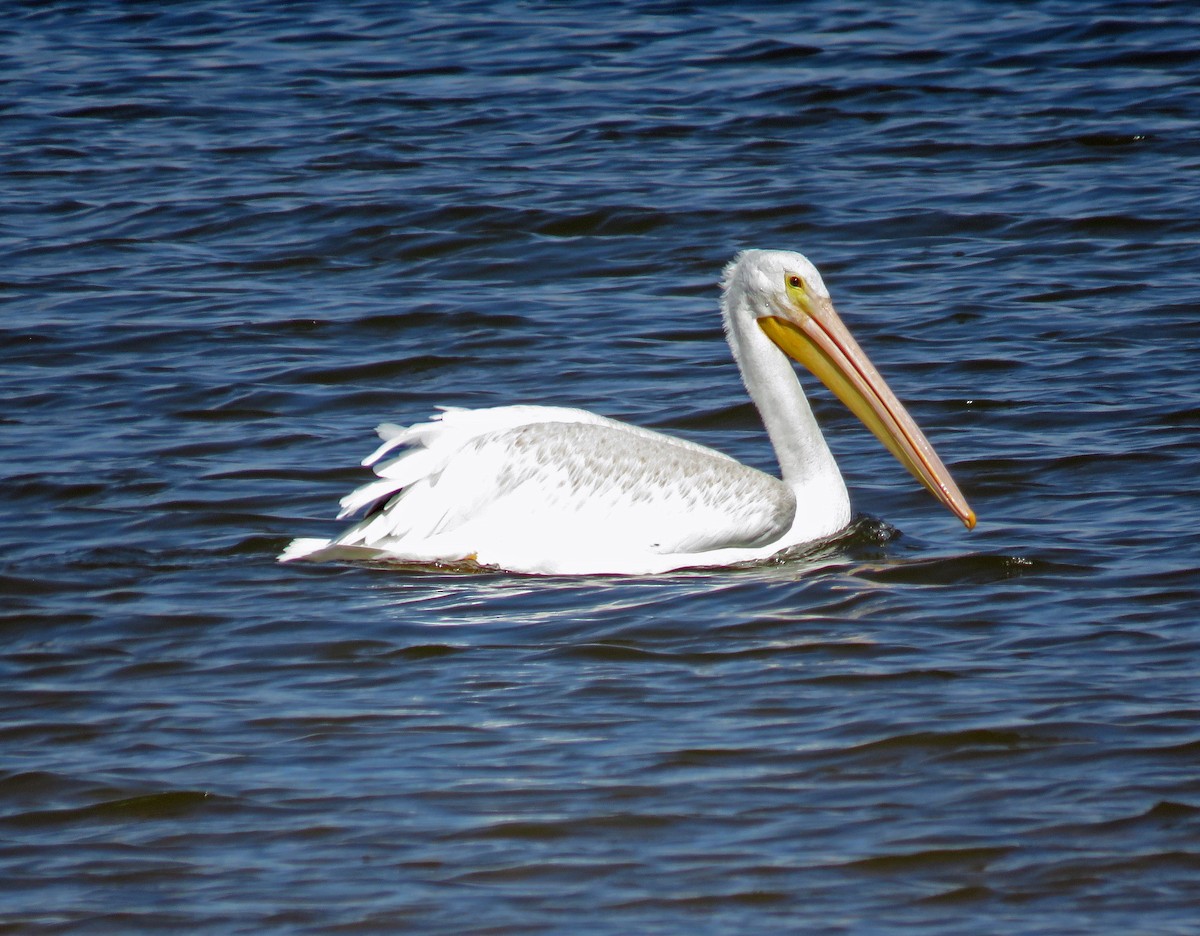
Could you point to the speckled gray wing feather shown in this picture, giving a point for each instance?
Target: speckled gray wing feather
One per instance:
(678, 497)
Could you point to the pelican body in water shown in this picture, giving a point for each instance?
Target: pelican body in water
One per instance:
(549, 490)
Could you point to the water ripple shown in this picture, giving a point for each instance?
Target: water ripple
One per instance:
(240, 236)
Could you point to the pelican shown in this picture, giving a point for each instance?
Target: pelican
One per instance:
(549, 490)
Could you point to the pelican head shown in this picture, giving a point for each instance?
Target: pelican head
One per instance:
(789, 302)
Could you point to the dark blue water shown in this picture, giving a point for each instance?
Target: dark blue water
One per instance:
(236, 236)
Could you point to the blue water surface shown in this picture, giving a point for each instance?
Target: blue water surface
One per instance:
(237, 236)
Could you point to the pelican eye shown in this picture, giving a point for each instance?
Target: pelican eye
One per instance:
(797, 292)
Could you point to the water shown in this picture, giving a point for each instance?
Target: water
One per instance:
(237, 236)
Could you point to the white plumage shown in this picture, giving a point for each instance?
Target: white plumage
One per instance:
(548, 490)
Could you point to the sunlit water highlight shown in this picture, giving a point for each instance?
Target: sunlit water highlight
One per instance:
(237, 236)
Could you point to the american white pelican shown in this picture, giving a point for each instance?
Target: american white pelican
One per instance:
(543, 489)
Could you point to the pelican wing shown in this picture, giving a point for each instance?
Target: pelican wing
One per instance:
(525, 486)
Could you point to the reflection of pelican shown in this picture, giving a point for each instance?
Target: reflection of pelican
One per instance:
(550, 490)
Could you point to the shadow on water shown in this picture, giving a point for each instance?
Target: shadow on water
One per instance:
(843, 577)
